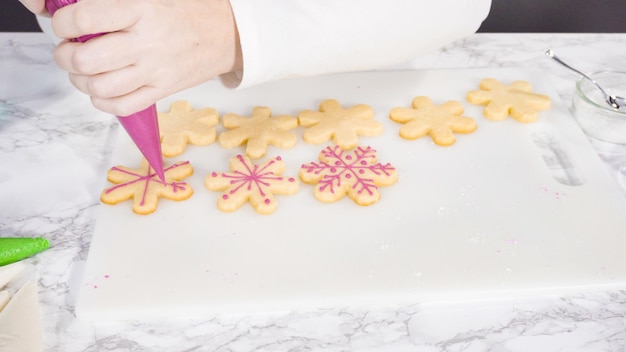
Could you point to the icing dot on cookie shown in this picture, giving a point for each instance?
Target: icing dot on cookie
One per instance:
(252, 182)
(352, 178)
(279, 158)
(214, 174)
(142, 186)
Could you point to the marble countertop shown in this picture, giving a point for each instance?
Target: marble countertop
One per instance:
(47, 128)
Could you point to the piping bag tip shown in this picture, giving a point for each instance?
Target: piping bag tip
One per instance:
(143, 129)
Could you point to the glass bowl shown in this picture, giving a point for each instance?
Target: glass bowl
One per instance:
(598, 119)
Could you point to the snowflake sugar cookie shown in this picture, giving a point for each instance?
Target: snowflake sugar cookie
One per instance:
(354, 173)
(438, 121)
(341, 125)
(516, 100)
(144, 186)
(183, 125)
(258, 131)
(250, 182)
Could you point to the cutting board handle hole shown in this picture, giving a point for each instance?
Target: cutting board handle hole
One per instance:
(557, 160)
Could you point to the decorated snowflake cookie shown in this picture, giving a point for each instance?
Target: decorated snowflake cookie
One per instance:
(438, 121)
(341, 125)
(258, 131)
(250, 182)
(516, 100)
(144, 186)
(182, 125)
(354, 173)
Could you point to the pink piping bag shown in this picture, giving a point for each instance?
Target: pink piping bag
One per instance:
(142, 126)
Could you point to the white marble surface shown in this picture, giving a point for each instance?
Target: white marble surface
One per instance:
(47, 128)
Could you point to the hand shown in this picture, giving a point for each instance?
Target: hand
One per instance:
(38, 7)
(152, 48)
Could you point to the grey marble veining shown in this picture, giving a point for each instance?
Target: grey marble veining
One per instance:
(45, 123)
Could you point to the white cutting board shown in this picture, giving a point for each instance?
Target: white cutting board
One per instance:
(485, 218)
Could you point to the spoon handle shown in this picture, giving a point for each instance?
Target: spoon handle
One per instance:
(608, 98)
(551, 55)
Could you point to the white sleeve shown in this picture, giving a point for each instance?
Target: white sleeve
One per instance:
(290, 38)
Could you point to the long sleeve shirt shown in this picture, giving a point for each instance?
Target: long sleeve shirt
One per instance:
(293, 38)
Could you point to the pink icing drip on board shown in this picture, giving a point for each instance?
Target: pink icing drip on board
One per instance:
(151, 176)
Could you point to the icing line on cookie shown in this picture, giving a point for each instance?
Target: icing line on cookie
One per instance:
(150, 177)
(254, 176)
(349, 167)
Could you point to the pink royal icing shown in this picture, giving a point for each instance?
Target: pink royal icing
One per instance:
(355, 173)
(145, 187)
(253, 182)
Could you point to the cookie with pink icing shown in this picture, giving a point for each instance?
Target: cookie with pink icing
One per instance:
(254, 183)
(145, 188)
(356, 173)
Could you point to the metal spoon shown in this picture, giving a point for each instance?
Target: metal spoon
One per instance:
(616, 102)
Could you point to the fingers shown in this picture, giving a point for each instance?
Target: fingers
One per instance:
(95, 16)
(98, 55)
(128, 104)
(110, 84)
(149, 49)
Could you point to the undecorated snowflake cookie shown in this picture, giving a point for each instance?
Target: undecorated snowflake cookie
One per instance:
(251, 182)
(182, 125)
(516, 100)
(258, 131)
(144, 186)
(440, 122)
(341, 125)
(354, 173)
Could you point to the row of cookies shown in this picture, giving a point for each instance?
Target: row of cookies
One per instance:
(182, 125)
(336, 174)
(357, 174)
